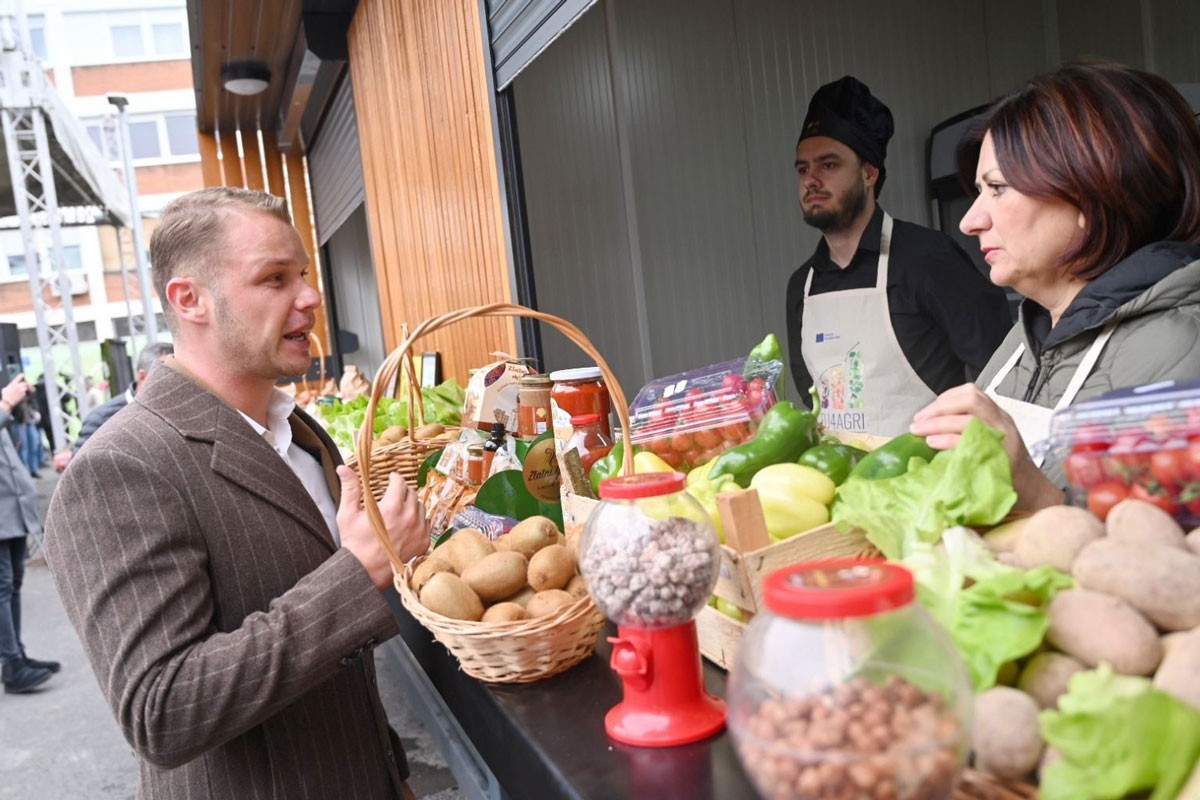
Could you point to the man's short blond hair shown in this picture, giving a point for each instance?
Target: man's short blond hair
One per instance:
(190, 236)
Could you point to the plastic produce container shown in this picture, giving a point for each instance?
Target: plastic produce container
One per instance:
(844, 687)
(689, 418)
(1142, 442)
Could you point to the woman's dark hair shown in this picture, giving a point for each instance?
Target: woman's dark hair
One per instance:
(1119, 144)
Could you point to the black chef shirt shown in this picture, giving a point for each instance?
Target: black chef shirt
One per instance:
(948, 318)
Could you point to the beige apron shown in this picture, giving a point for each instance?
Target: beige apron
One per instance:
(856, 363)
(1033, 421)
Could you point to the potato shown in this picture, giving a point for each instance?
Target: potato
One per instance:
(1158, 580)
(393, 434)
(505, 612)
(426, 570)
(1095, 627)
(1045, 677)
(447, 594)
(551, 568)
(577, 587)
(464, 548)
(545, 603)
(1169, 640)
(496, 575)
(430, 430)
(522, 597)
(1005, 733)
(1139, 522)
(1179, 673)
(1003, 537)
(532, 534)
(1193, 541)
(502, 543)
(1055, 535)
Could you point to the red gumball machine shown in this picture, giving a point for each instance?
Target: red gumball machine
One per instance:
(650, 557)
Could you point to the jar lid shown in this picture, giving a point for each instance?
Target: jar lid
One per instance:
(473, 449)
(577, 374)
(836, 589)
(647, 484)
(585, 419)
(535, 380)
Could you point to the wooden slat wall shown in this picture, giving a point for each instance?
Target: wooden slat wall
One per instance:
(262, 168)
(433, 196)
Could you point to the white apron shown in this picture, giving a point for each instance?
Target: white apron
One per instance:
(1033, 421)
(856, 363)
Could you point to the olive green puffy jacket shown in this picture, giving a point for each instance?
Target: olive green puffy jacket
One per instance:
(1153, 296)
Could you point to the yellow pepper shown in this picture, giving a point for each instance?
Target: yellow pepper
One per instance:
(645, 461)
(700, 473)
(794, 498)
(705, 492)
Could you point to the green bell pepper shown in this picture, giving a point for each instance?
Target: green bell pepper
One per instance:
(783, 435)
(769, 349)
(892, 458)
(607, 467)
(835, 461)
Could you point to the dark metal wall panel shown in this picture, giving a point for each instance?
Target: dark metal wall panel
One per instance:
(335, 165)
(356, 299)
(575, 204)
(520, 29)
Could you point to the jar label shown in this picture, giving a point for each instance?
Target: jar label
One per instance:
(541, 471)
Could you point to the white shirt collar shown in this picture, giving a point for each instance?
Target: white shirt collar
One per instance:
(278, 432)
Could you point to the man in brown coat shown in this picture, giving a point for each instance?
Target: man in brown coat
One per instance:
(227, 588)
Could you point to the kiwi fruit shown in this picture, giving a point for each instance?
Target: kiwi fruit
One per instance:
(426, 570)
(545, 603)
(496, 575)
(449, 595)
(551, 568)
(532, 534)
(504, 612)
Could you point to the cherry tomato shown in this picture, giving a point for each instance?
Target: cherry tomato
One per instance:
(672, 458)
(1093, 436)
(1170, 467)
(1192, 462)
(707, 437)
(1160, 426)
(1102, 497)
(1126, 467)
(1156, 496)
(1085, 469)
(682, 442)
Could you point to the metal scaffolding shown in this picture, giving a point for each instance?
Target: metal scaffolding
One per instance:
(49, 156)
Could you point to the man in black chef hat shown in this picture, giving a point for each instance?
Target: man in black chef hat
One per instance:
(885, 315)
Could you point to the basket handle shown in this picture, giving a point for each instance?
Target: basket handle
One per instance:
(402, 356)
(316, 342)
(416, 403)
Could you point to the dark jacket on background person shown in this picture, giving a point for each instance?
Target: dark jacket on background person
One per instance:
(18, 495)
(1154, 297)
(231, 636)
(98, 416)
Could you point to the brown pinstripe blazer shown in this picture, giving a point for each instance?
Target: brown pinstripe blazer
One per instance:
(226, 630)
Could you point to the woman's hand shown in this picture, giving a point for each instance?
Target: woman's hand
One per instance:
(943, 421)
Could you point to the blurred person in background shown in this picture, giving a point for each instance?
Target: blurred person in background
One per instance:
(18, 521)
(1088, 184)
(151, 354)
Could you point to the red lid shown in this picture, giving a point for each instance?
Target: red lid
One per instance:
(647, 484)
(584, 419)
(836, 589)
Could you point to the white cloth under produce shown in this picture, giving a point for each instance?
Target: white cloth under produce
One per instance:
(1032, 420)
(857, 364)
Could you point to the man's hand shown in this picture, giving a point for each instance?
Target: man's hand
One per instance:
(403, 516)
(14, 392)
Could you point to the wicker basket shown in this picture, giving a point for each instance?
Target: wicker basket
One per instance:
(511, 652)
(406, 456)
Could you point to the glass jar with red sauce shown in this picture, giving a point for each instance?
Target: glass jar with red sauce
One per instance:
(588, 440)
(577, 392)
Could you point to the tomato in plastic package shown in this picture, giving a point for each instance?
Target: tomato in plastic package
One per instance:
(1155, 495)
(1085, 468)
(1102, 497)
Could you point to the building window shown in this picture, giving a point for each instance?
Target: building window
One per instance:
(37, 37)
(71, 254)
(127, 41)
(143, 139)
(181, 135)
(169, 39)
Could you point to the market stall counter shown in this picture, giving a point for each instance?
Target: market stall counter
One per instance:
(546, 739)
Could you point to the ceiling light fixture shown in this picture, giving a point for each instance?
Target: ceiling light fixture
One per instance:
(245, 77)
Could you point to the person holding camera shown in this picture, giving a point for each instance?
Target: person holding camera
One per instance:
(18, 520)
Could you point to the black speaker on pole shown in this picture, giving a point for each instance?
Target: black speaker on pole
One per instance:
(10, 349)
(115, 353)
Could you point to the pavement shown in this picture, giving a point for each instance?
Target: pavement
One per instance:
(61, 741)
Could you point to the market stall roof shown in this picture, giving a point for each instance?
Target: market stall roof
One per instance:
(82, 178)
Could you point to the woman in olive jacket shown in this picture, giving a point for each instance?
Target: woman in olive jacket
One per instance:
(1095, 218)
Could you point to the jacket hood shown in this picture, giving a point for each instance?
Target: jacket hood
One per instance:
(1150, 279)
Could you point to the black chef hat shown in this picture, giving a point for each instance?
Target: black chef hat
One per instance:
(846, 110)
